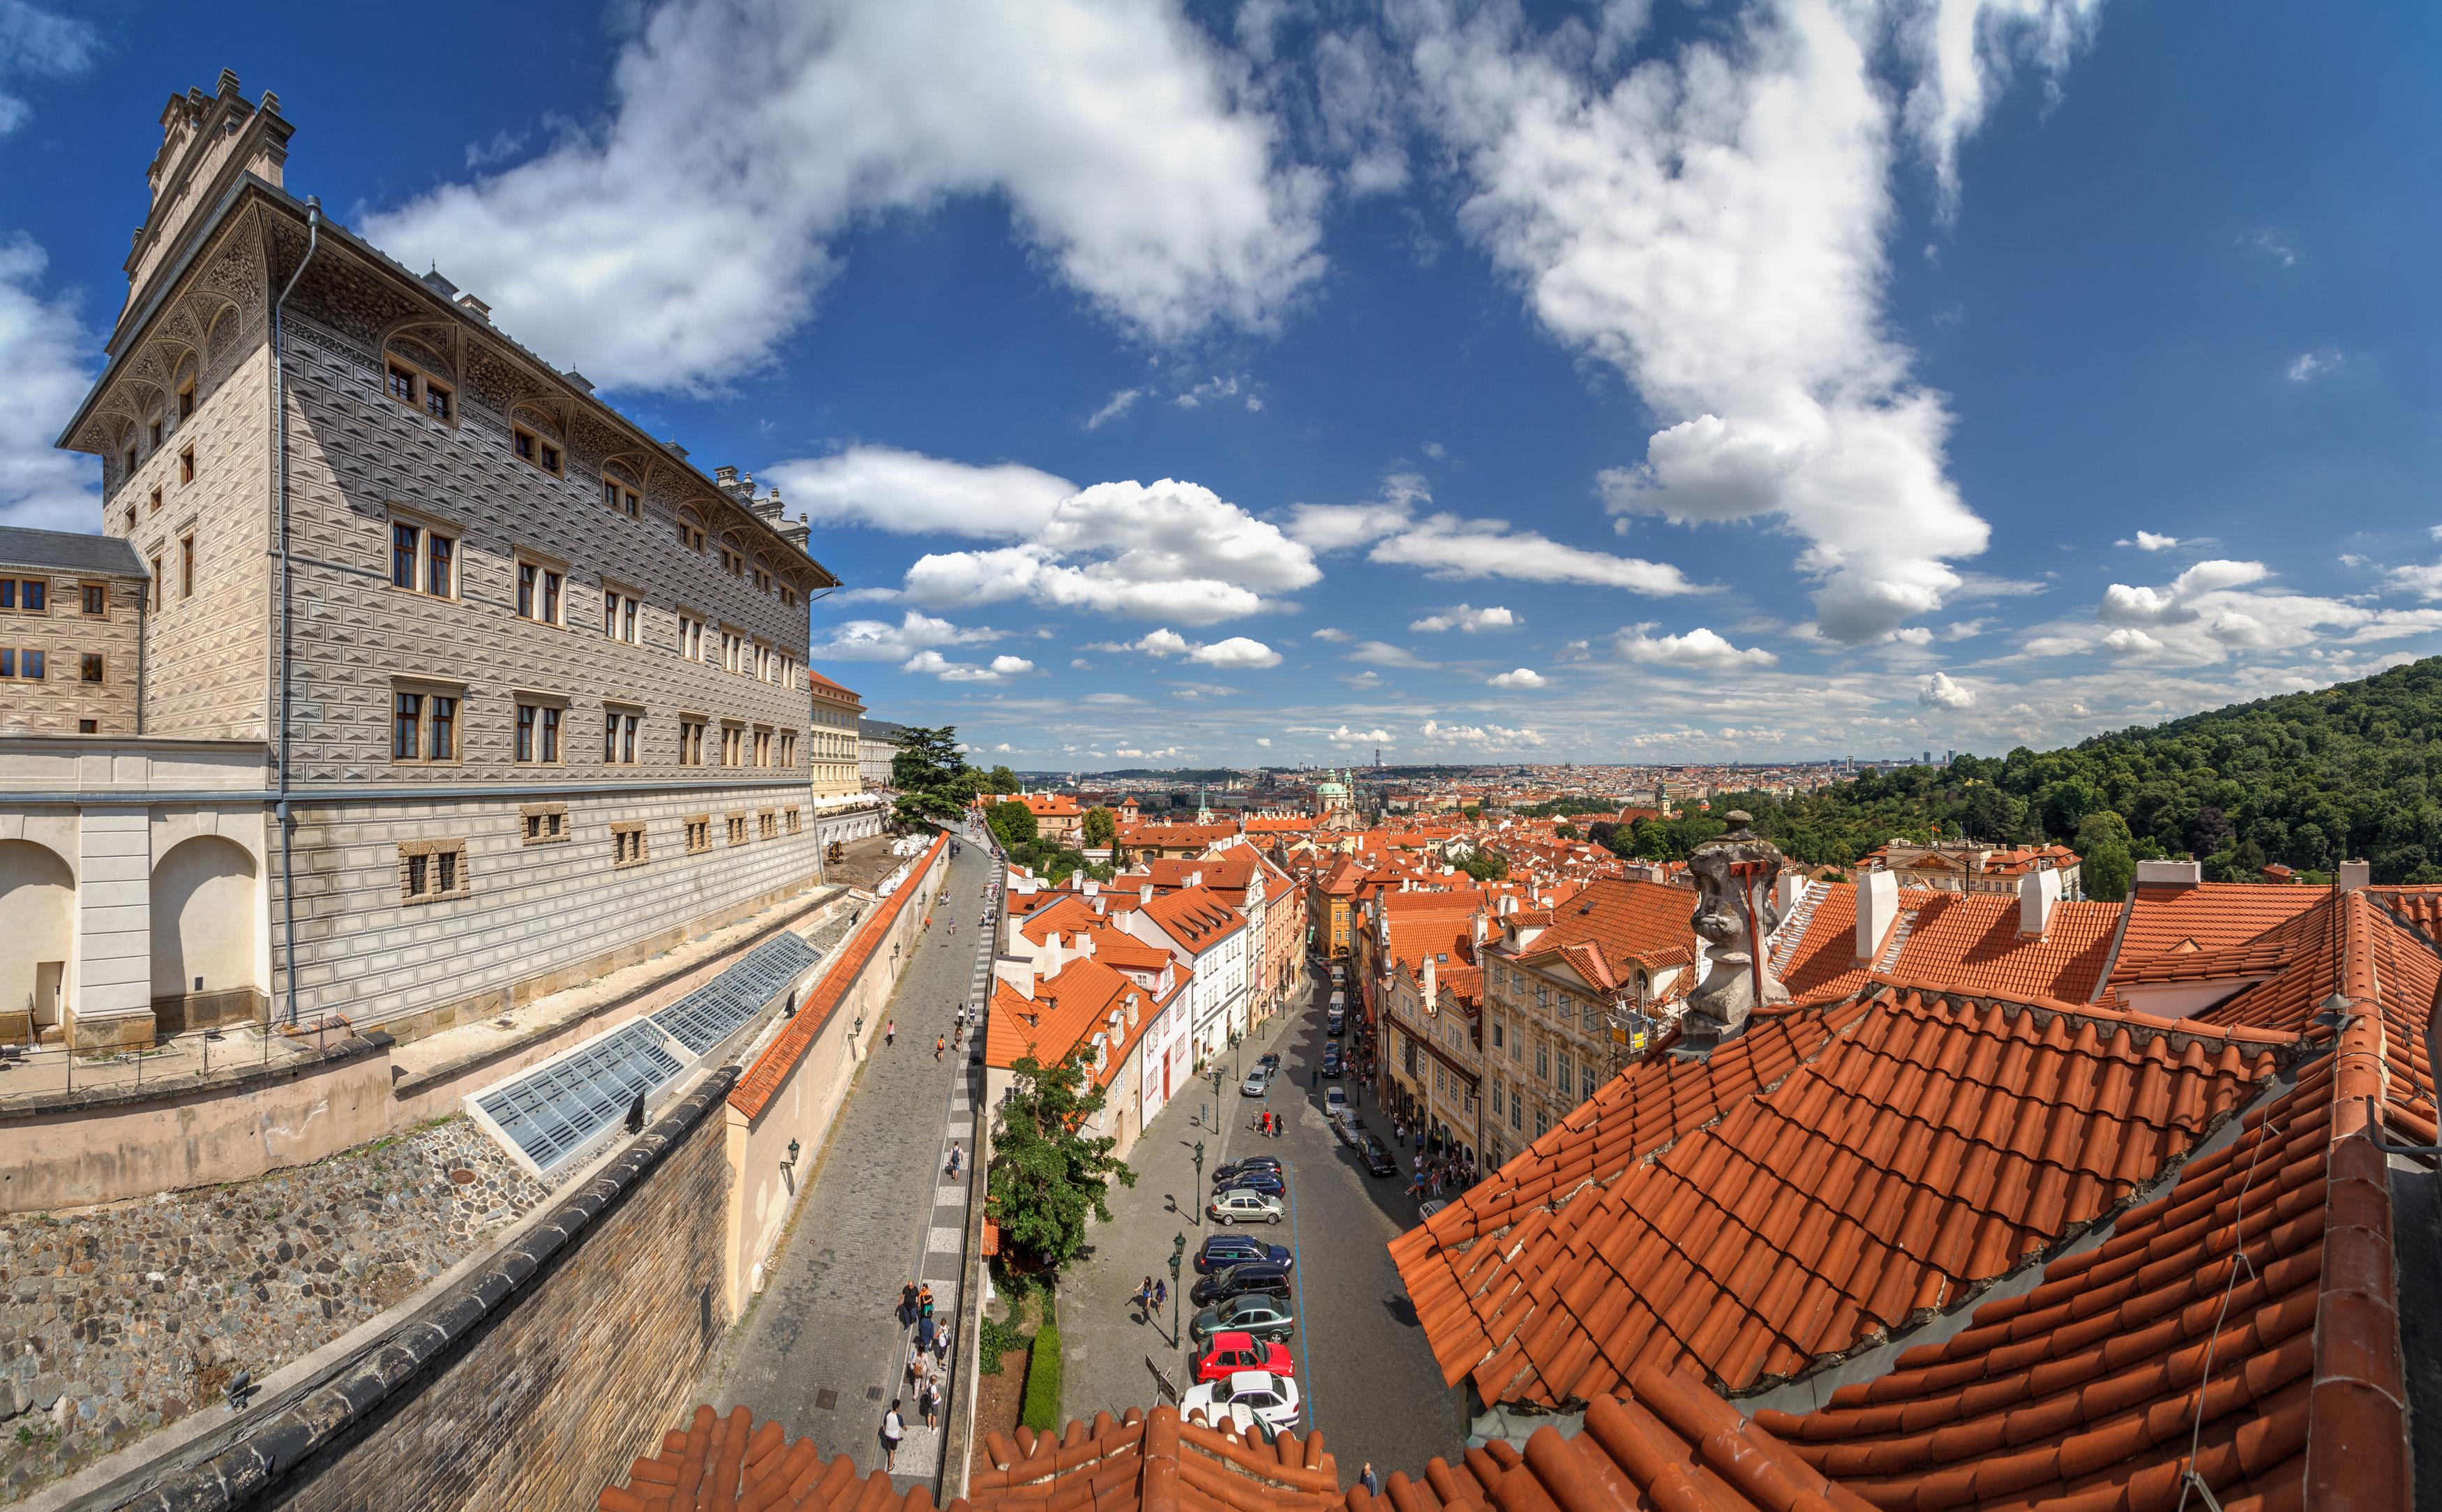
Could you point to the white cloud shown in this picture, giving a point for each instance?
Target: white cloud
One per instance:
(1942, 692)
(2271, 244)
(1344, 735)
(2216, 610)
(2125, 605)
(34, 44)
(1434, 733)
(1237, 653)
(742, 139)
(1711, 224)
(2424, 581)
(1120, 402)
(1524, 677)
(1264, 740)
(2308, 366)
(934, 663)
(1328, 633)
(1167, 550)
(1225, 385)
(1698, 650)
(1464, 617)
(2147, 541)
(880, 641)
(1447, 546)
(1382, 653)
(43, 354)
(884, 489)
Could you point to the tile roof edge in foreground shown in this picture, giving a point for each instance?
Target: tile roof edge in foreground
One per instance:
(2100, 1012)
(322, 1413)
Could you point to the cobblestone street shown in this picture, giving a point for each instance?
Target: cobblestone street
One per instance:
(1367, 1376)
(820, 1350)
(116, 1320)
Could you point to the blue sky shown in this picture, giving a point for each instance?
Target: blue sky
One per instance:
(1641, 381)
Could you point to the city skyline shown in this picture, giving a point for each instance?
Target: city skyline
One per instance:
(1451, 383)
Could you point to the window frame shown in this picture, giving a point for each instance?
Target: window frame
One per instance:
(186, 465)
(187, 565)
(91, 668)
(630, 845)
(439, 717)
(542, 823)
(544, 601)
(422, 884)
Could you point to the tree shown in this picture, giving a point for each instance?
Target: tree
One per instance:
(933, 778)
(1101, 828)
(1012, 824)
(2105, 866)
(1485, 865)
(1474, 811)
(1047, 1177)
(1001, 779)
(1564, 832)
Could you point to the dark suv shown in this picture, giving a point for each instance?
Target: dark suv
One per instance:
(1256, 1278)
(1222, 1250)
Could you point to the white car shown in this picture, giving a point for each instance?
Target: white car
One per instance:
(1238, 1205)
(1271, 1400)
(1333, 1099)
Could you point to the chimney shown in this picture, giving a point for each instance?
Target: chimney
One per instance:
(1084, 944)
(1050, 957)
(482, 311)
(1432, 994)
(1092, 888)
(1786, 889)
(2170, 873)
(1017, 970)
(2353, 875)
(1145, 894)
(2038, 892)
(1877, 908)
(1508, 903)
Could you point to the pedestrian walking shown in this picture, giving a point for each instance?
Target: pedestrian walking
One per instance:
(891, 1031)
(956, 1155)
(1160, 1293)
(924, 1335)
(924, 1301)
(906, 1304)
(894, 1428)
(1369, 1480)
(1144, 1298)
(941, 1042)
(928, 1401)
(942, 1344)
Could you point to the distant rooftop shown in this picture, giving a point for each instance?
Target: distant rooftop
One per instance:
(74, 551)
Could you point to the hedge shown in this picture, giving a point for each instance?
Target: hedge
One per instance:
(1041, 1411)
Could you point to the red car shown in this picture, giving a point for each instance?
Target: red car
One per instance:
(1236, 1351)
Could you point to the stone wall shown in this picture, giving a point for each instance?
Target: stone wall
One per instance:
(65, 633)
(534, 1381)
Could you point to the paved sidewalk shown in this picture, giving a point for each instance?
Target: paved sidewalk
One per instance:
(822, 1350)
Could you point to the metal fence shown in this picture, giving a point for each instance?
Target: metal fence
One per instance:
(43, 1072)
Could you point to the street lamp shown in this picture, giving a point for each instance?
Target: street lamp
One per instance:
(1177, 1247)
(1199, 1182)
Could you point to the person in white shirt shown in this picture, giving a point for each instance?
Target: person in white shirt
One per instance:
(894, 1428)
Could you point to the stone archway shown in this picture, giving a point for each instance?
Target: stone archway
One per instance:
(205, 923)
(38, 900)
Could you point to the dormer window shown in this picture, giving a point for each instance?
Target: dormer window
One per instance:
(401, 382)
(539, 450)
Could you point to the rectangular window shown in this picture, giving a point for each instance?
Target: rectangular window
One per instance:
(762, 748)
(407, 727)
(33, 665)
(1496, 1033)
(628, 723)
(690, 742)
(445, 728)
(1585, 1082)
(738, 829)
(551, 735)
(788, 748)
(1543, 1062)
(1568, 1079)
(795, 821)
(1517, 1110)
(626, 844)
(538, 591)
(89, 667)
(441, 567)
(549, 457)
(522, 442)
(157, 500)
(186, 567)
(609, 737)
(7, 660)
(732, 563)
(609, 613)
(187, 399)
(405, 546)
(402, 384)
(699, 833)
(691, 638)
(37, 596)
(431, 869)
(529, 578)
(437, 401)
(96, 598)
(529, 723)
(627, 621)
(7, 593)
(544, 822)
(187, 465)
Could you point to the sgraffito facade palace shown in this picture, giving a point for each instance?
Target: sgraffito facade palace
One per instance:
(456, 686)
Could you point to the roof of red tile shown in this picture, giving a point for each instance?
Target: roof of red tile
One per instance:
(1812, 1187)
(1612, 927)
(1970, 942)
(1194, 917)
(824, 687)
(2204, 916)
(728, 1462)
(1064, 1014)
(756, 1088)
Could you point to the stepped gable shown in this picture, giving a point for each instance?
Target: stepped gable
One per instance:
(2282, 1369)
(1862, 1164)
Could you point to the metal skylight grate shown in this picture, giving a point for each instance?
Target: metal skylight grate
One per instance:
(558, 1109)
(718, 1008)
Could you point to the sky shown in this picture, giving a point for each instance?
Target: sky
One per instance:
(1647, 381)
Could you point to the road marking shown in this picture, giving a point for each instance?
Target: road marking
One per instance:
(949, 1196)
(947, 1241)
(962, 1128)
(1297, 1270)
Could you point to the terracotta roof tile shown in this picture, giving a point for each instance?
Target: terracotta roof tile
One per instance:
(2205, 915)
(1194, 917)
(1824, 1140)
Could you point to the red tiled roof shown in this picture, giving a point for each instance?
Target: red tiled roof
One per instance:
(1050, 805)
(1910, 1149)
(2205, 915)
(755, 1089)
(1194, 917)
(1970, 942)
(824, 687)
(728, 1462)
(1064, 1015)
(1623, 924)
(1064, 912)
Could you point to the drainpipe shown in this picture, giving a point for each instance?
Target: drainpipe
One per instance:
(279, 509)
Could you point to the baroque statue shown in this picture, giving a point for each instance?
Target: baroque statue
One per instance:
(1735, 915)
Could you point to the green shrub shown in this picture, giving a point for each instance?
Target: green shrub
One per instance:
(1041, 1411)
(999, 1339)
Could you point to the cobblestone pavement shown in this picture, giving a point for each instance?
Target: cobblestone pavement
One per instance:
(1368, 1374)
(116, 1320)
(821, 1350)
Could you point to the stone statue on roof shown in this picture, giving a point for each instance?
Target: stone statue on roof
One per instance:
(1735, 915)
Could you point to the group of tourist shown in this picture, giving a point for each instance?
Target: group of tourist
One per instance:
(928, 1366)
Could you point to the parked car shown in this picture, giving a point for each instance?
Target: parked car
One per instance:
(1231, 1353)
(1351, 1130)
(1264, 1317)
(1378, 1159)
(1240, 1281)
(1269, 1060)
(1242, 1206)
(1272, 1399)
(1221, 1174)
(1426, 1210)
(1331, 1062)
(1272, 1182)
(1258, 1082)
(1336, 1025)
(1334, 1099)
(1222, 1250)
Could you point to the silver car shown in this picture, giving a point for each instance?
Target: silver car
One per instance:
(1242, 1206)
(1259, 1082)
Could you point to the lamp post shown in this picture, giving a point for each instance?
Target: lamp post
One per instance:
(1199, 1182)
(1177, 1247)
